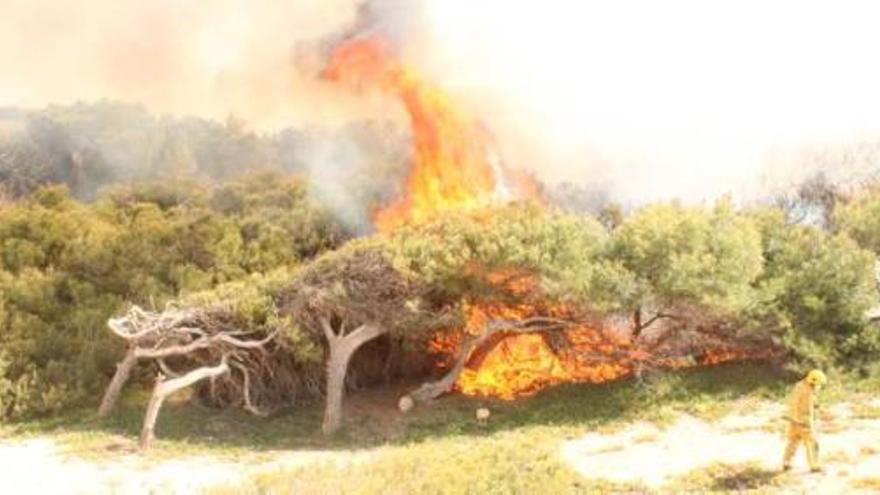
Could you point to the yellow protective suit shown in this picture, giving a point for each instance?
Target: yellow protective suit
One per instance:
(801, 421)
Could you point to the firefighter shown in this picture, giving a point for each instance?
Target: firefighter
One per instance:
(801, 420)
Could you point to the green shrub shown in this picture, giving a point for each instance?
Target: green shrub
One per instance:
(66, 267)
(817, 288)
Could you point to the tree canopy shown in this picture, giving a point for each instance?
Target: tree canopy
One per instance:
(674, 257)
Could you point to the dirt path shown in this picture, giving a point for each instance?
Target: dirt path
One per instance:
(849, 439)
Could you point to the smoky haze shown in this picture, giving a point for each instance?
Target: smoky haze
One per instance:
(651, 101)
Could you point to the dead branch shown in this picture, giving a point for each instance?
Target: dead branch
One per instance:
(186, 344)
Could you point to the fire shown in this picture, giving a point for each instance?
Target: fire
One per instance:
(521, 365)
(516, 365)
(456, 166)
(455, 163)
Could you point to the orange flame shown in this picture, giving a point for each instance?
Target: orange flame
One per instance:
(519, 365)
(455, 165)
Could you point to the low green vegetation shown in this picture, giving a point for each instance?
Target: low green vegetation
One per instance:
(561, 412)
(67, 266)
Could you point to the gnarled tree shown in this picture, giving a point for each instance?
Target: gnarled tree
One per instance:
(351, 297)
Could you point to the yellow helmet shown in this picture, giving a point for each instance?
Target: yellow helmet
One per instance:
(816, 377)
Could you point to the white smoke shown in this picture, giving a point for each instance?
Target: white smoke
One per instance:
(684, 98)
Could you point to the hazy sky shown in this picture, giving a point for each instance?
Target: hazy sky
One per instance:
(657, 99)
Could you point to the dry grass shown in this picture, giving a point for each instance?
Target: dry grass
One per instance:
(648, 436)
(866, 411)
(872, 483)
(868, 451)
(839, 456)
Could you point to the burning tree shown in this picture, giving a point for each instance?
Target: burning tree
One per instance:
(529, 283)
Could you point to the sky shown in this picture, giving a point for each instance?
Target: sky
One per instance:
(676, 99)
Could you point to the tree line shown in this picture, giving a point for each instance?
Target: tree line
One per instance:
(262, 253)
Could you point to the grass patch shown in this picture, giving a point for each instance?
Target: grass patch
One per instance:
(372, 418)
(871, 483)
(525, 461)
(866, 411)
(440, 448)
(729, 478)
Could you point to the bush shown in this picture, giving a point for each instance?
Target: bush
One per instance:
(65, 267)
(817, 288)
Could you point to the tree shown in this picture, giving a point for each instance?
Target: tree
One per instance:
(816, 290)
(457, 252)
(813, 201)
(677, 257)
(859, 219)
(351, 297)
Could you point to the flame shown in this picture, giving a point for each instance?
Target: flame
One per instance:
(519, 365)
(516, 365)
(455, 163)
(456, 166)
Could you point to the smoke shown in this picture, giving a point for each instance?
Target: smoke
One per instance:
(210, 58)
(643, 101)
(653, 100)
(355, 168)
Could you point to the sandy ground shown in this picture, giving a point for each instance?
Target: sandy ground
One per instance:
(641, 452)
(40, 466)
(850, 448)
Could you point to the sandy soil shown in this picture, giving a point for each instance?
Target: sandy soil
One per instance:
(640, 452)
(850, 448)
(41, 466)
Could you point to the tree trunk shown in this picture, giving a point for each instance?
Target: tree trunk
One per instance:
(342, 347)
(432, 390)
(152, 414)
(123, 372)
(337, 365)
(637, 322)
(394, 346)
(165, 388)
